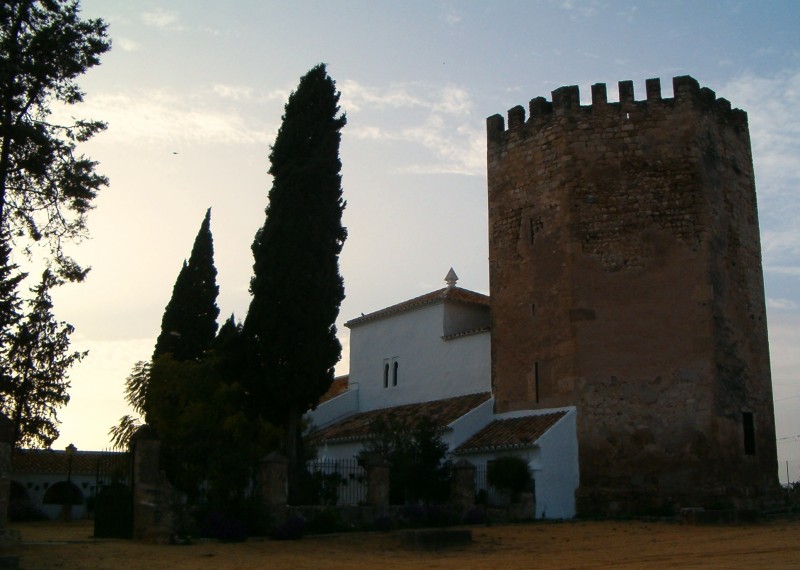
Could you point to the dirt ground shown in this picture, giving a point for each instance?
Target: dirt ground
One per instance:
(618, 544)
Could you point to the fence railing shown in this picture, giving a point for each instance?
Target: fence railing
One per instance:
(113, 467)
(493, 497)
(341, 481)
(344, 482)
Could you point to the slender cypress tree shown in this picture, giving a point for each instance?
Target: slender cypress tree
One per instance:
(189, 324)
(296, 287)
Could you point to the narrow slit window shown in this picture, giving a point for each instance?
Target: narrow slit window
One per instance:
(749, 430)
(394, 377)
(386, 375)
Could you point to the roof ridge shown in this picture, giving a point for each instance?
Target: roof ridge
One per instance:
(454, 293)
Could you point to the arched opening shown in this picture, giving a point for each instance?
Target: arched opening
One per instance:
(63, 493)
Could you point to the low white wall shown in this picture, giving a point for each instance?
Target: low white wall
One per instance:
(336, 408)
(558, 470)
(469, 424)
(553, 462)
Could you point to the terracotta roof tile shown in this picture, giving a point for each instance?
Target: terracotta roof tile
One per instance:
(441, 412)
(455, 294)
(52, 462)
(338, 386)
(512, 433)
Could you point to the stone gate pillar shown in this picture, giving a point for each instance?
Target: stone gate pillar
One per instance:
(275, 480)
(378, 483)
(463, 494)
(152, 508)
(8, 538)
(6, 439)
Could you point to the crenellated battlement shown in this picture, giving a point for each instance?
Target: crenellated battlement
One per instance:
(566, 102)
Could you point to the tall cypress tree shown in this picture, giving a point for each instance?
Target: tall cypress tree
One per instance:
(296, 287)
(189, 324)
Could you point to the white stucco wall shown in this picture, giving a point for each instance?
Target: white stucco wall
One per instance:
(553, 462)
(36, 486)
(429, 368)
(469, 424)
(336, 408)
(339, 451)
(557, 471)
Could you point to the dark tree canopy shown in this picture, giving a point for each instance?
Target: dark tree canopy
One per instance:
(189, 324)
(46, 187)
(297, 288)
(38, 359)
(421, 468)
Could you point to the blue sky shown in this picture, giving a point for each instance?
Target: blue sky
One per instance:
(208, 81)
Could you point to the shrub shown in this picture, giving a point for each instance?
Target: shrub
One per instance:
(475, 516)
(326, 521)
(421, 470)
(384, 523)
(292, 529)
(224, 527)
(509, 474)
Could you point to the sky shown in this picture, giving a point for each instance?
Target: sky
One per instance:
(193, 93)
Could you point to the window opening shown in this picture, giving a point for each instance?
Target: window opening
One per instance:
(749, 430)
(394, 378)
(386, 375)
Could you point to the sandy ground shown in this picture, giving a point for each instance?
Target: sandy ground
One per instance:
(626, 544)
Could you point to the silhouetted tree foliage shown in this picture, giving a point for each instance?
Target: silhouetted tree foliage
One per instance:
(38, 359)
(46, 187)
(191, 393)
(418, 458)
(188, 330)
(510, 474)
(212, 439)
(10, 303)
(296, 287)
(189, 324)
(135, 395)
(46, 190)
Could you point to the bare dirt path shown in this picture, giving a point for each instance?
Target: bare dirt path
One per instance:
(618, 544)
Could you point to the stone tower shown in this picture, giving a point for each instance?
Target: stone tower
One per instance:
(626, 280)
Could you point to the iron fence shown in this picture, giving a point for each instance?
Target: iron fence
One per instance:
(341, 481)
(486, 493)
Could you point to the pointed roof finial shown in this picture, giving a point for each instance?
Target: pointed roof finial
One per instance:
(451, 279)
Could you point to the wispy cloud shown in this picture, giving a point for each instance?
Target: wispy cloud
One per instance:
(781, 304)
(437, 118)
(790, 270)
(235, 92)
(452, 18)
(126, 44)
(629, 13)
(448, 99)
(247, 93)
(163, 117)
(579, 9)
(771, 103)
(160, 18)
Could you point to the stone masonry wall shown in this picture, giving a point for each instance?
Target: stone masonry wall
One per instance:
(625, 276)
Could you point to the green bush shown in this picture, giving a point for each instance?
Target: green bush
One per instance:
(509, 474)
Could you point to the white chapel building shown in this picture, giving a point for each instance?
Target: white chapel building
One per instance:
(431, 355)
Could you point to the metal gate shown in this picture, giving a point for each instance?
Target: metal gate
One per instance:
(113, 499)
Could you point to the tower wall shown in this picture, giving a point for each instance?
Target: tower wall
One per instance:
(625, 275)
